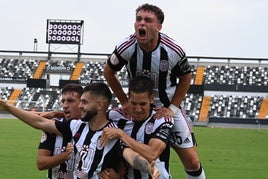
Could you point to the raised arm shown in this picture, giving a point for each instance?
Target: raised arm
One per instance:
(51, 114)
(30, 118)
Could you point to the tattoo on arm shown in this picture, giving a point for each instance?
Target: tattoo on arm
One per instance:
(141, 164)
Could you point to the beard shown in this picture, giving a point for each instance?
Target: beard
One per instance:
(89, 115)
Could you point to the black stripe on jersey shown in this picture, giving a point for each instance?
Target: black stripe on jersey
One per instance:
(136, 128)
(146, 62)
(165, 157)
(121, 123)
(96, 161)
(174, 74)
(97, 156)
(162, 80)
(49, 173)
(133, 63)
(78, 133)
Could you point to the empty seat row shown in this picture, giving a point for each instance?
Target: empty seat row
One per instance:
(235, 106)
(236, 75)
(17, 67)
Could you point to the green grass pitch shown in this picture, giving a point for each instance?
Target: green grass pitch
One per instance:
(224, 153)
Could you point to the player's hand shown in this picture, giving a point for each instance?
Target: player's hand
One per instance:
(108, 173)
(155, 174)
(163, 112)
(69, 150)
(107, 134)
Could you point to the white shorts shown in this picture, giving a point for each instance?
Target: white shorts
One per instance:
(182, 135)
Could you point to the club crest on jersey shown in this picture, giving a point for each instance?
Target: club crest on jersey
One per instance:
(99, 147)
(149, 128)
(163, 65)
(43, 137)
(114, 60)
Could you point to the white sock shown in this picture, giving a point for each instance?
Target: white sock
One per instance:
(195, 174)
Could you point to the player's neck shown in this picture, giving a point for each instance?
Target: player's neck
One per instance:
(150, 46)
(98, 123)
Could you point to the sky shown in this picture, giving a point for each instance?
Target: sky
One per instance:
(214, 28)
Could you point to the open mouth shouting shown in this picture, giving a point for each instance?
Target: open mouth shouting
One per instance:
(142, 32)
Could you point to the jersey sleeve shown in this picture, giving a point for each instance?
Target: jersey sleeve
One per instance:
(116, 62)
(163, 131)
(183, 67)
(47, 141)
(122, 53)
(64, 128)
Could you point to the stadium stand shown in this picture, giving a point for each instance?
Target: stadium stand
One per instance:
(17, 68)
(222, 90)
(5, 92)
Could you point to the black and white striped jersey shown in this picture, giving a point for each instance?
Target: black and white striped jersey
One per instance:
(57, 144)
(164, 64)
(90, 157)
(143, 131)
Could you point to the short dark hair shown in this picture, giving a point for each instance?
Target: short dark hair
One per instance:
(72, 87)
(99, 89)
(141, 84)
(152, 8)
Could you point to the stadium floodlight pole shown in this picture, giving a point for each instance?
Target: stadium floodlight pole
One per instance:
(78, 53)
(48, 53)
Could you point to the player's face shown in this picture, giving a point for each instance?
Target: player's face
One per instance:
(140, 105)
(147, 28)
(70, 103)
(88, 106)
